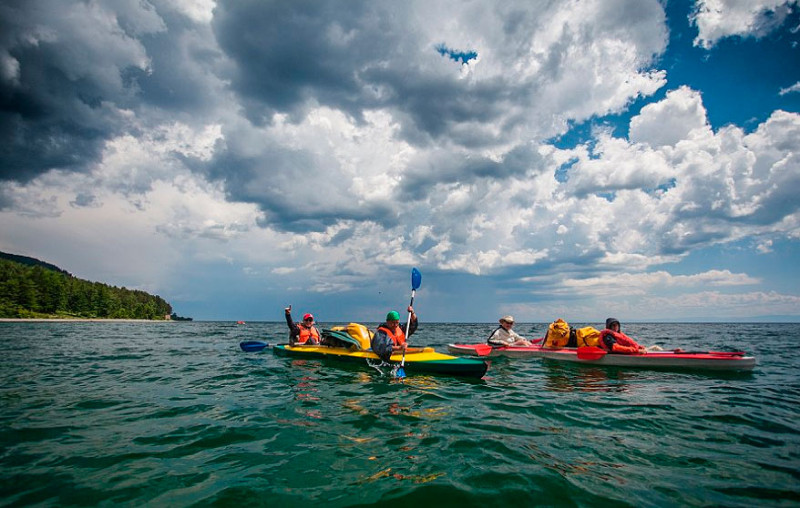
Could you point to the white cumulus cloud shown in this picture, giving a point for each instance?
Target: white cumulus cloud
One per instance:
(717, 19)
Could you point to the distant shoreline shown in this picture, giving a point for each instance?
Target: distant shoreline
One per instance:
(82, 320)
(102, 320)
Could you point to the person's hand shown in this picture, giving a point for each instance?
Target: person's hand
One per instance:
(288, 309)
(410, 309)
(403, 346)
(642, 350)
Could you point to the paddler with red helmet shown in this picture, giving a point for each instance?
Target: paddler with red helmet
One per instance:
(302, 333)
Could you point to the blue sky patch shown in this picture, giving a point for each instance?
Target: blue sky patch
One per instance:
(457, 56)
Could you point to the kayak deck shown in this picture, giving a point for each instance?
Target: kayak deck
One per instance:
(709, 360)
(419, 360)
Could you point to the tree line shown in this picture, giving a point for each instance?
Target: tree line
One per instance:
(34, 291)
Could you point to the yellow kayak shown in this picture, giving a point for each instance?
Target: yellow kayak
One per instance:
(351, 344)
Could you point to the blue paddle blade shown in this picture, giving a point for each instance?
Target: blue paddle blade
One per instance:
(416, 279)
(401, 372)
(250, 346)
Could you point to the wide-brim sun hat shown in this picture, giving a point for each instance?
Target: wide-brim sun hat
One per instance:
(507, 319)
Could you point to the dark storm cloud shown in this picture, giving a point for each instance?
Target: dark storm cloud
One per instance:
(294, 191)
(61, 84)
(448, 167)
(71, 73)
(354, 57)
(184, 64)
(436, 107)
(287, 52)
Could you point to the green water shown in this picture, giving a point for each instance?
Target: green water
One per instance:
(175, 414)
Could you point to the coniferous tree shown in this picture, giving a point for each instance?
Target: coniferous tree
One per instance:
(28, 289)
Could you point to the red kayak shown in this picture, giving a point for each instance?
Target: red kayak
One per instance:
(675, 359)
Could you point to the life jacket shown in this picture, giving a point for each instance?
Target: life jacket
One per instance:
(398, 337)
(382, 343)
(617, 342)
(306, 333)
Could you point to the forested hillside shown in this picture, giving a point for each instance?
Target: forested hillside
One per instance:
(33, 289)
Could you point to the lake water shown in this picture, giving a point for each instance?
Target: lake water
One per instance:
(176, 414)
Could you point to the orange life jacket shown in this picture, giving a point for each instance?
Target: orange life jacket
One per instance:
(617, 342)
(306, 333)
(398, 337)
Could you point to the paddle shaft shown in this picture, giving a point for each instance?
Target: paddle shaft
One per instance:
(408, 326)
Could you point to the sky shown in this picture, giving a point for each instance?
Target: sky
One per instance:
(546, 159)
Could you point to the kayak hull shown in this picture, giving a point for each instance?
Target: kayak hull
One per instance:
(718, 361)
(423, 361)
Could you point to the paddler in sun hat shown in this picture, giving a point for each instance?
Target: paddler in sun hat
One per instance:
(503, 335)
(391, 335)
(303, 333)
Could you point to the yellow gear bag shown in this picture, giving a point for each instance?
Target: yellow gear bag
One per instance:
(357, 331)
(588, 336)
(361, 333)
(557, 334)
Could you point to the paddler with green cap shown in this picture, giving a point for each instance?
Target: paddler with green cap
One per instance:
(391, 336)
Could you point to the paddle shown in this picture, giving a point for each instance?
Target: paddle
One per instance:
(486, 349)
(482, 349)
(591, 353)
(250, 346)
(416, 281)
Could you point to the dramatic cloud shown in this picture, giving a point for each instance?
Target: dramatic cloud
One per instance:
(690, 187)
(318, 148)
(63, 89)
(717, 19)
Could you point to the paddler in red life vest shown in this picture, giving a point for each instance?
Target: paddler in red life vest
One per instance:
(391, 336)
(304, 333)
(614, 341)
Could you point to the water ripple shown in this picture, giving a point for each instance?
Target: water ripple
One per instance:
(176, 414)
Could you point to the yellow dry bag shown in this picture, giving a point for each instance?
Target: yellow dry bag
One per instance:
(557, 334)
(587, 336)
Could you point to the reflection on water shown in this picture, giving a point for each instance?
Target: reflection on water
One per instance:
(140, 409)
(569, 378)
(306, 390)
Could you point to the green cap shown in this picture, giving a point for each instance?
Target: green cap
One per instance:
(393, 316)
